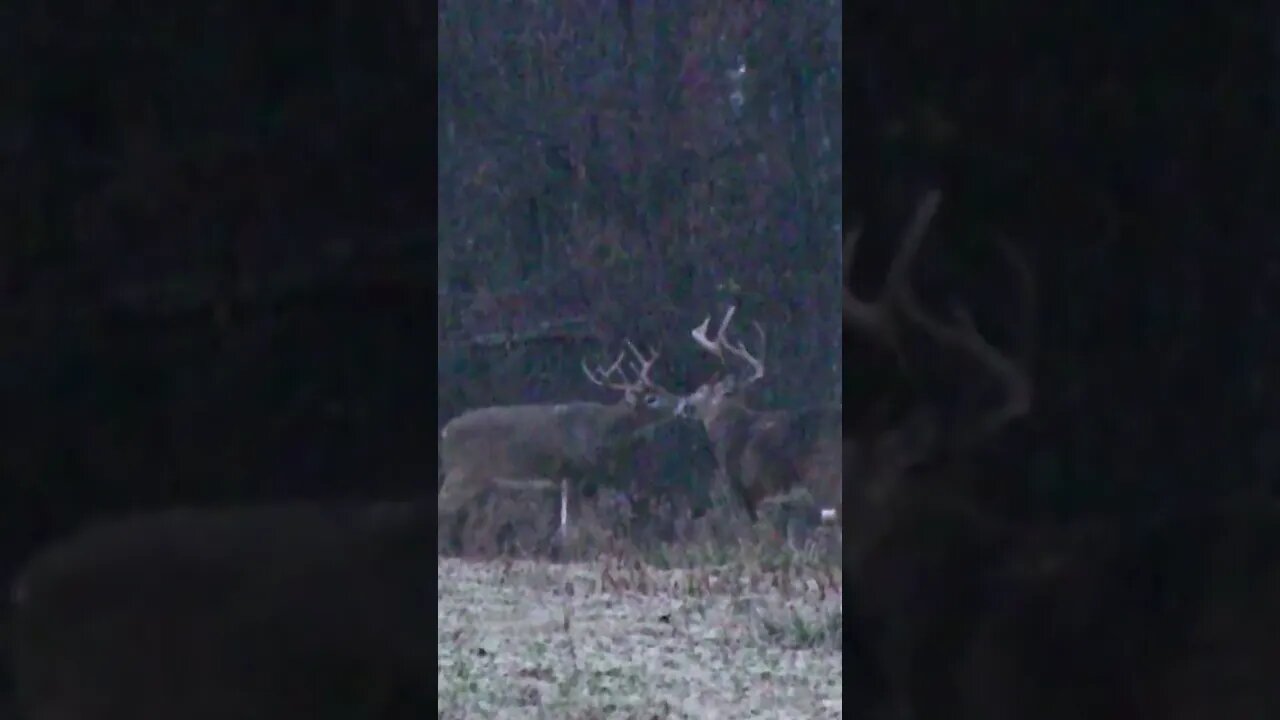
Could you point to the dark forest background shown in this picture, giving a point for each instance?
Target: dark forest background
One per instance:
(613, 171)
(214, 277)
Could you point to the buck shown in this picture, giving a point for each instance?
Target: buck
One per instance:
(881, 454)
(967, 614)
(289, 611)
(915, 526)
(962, 612)
(525, 446)
(764, 454)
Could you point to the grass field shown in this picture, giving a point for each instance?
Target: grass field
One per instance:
(619, 637)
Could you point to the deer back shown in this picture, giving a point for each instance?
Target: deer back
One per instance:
(596, 427)
(288, 611)
(785, 450)
(523, 442)
(537, 440)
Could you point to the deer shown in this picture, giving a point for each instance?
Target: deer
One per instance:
(961, 611)
(297, 610)
(969, 614)
(915, 527)
(526, 446)
(764, 454)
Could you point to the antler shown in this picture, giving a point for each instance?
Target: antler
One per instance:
(721, 343)
(603, 377)
(644, 366)
(964, 335)
(875, 317)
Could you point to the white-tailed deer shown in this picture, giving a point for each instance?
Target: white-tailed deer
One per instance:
(913, 518)
(764, 454)
(290, 611)
(529, 445)
(881, 453)
(968, 611)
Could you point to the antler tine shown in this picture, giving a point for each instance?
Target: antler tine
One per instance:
(724, 324)
(700, 336)
(755, 361)
(601, 376)
(964, 334)
(912, 239)
(851, 245)
(714, 346)
(874, 316)
(596, 380)
(869, 315)
(856, 311)
(645, 365)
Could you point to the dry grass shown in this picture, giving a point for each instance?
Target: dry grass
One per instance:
(700, 627)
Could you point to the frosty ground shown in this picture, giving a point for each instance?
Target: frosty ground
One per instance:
(618, 638)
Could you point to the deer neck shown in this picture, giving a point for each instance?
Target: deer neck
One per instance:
(727, 426)
(620, 420)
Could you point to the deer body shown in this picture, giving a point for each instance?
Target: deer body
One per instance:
(297, 611)
(525, 445)
(765, 454)
(519, 443)
(919, 544)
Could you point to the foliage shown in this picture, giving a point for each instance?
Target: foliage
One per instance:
(597, 146)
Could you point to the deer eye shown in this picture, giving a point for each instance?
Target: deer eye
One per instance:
(652, 401)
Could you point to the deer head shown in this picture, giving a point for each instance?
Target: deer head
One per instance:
(889, 450)
(641, 395)
(719, 392)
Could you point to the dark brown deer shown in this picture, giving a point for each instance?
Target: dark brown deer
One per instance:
(962, 610)
(1165, 614)
(529, 445)
(765, 454)
(291, 611)
(914, 529)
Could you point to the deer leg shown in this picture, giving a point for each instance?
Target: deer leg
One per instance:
(460, 488)
(748, 503)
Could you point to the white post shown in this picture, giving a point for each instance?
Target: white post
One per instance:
(564, 504)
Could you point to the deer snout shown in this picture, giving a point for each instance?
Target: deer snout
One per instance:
(684, 408)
